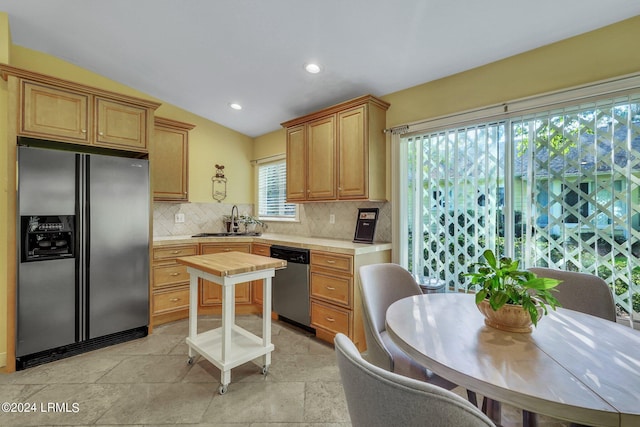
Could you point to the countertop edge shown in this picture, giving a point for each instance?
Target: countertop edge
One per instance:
(313, 243)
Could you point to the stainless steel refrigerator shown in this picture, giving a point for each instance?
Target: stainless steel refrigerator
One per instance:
(83, 245)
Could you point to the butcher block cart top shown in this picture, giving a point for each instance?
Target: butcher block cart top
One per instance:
(230, 345)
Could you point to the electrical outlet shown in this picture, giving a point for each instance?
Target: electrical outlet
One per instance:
(332, 219)
(179, 218)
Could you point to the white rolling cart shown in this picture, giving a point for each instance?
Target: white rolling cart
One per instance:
(230, 345)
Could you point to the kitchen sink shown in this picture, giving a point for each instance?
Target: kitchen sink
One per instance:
(226, 234)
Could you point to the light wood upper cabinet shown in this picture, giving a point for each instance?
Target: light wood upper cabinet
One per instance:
(48, 111)
(321, 143)
(169, 160)
(120, 125)
(345, 157)
(60, 110)
(297, 166)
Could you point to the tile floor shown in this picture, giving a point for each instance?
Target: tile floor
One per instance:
(147, 382)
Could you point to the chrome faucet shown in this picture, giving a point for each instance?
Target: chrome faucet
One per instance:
(234, 220)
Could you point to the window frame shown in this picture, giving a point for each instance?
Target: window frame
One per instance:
(271, 161)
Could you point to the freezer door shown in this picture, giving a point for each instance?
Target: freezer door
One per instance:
(118, 244)
(46, 305)
(46, 182)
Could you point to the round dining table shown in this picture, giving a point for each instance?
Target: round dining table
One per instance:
(572, 366)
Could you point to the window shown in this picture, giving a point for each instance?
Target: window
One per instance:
(557, 187)
(574, 202)
(272, 193)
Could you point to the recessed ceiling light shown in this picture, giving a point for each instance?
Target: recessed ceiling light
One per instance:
(235, 106)
(312, 68)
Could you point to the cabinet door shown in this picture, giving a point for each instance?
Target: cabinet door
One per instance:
(353, 155)
(256, 285)
(48, 112)
(296, 164)
(121, 125)
(321, 143)
(170, 164)
(211, 293)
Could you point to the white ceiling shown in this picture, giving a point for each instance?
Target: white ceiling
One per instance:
(202, 55)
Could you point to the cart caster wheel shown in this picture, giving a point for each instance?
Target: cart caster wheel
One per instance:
(265, 370)
(223, 389)
(190, 360)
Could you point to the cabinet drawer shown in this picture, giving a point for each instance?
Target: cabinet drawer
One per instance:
(167, 275)
(171, 300)
(336, 262)
(330, 318)
(335, 289)
(174, 252)
(261, 249)
(216, 248)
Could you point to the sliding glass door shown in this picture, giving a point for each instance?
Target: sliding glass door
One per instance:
(557, 188)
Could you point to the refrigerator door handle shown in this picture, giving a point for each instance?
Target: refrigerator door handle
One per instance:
(82, 234)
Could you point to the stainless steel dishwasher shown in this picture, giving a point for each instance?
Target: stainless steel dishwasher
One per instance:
(290, 286)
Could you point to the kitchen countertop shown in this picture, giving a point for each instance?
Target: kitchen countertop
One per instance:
(314, 243)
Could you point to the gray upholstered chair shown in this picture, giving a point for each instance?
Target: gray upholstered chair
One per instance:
(581, 292)
(380, 286)
(377, 397)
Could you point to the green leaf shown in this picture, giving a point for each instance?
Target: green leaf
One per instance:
(498, 299)
(481, 295)
(541, 283)
(490, 257)
(533, 312)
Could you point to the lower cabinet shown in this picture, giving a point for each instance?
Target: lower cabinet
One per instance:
(335, 302)
(210, 293)
(256, 285)
(332, 308)
(171, 300)
(170, 283)
(336, 305)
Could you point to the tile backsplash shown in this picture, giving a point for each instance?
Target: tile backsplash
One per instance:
(314, 219)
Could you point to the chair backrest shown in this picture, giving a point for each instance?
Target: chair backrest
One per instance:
(380, 286)
(581, 292)
(376, 397)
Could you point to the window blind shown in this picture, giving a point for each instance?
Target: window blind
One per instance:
(272, 192)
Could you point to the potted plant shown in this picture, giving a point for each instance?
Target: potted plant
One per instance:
(251, 222)
(511, 299)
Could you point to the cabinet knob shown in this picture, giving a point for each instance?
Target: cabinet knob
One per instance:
(175, 274)
(330, 261)
(330, 319)
(176, 252)
(100, 133)
(331, 288)
(174, 299)
(83, 131)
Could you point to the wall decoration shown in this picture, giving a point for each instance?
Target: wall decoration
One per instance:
(219, 184)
